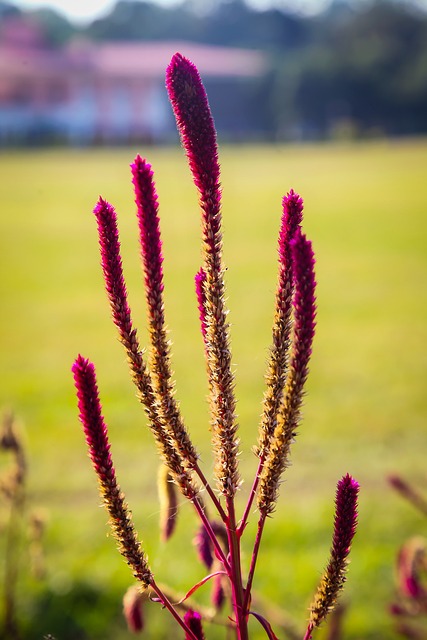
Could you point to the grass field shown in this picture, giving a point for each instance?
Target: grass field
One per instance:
(366, 408)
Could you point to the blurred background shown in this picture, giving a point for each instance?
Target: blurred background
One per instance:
(326, 97)
(305, 70)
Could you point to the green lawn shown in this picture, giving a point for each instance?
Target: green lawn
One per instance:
(366, 408)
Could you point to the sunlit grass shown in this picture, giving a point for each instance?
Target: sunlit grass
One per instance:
(366, 409)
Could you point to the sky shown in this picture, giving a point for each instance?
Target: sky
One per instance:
(82, 11)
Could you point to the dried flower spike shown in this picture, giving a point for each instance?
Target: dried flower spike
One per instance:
(96, 434)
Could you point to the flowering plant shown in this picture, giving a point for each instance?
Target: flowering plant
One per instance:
(219, 540)
(410, 608)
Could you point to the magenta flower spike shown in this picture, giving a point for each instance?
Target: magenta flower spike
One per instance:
(333, 579)
(149, 234)
(96, 434)
(304, 304)
(292, 205)
(116, 289)
(113, 269)
(198, 136)
(152, 259)
(196, 127)
(345, 518)
(193, 620)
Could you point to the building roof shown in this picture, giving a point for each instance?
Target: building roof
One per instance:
(150, 59)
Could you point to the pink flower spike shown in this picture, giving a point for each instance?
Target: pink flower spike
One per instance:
(149, 229)
(91, 418)
(200, 279)
(345, 517)
(195, 124)
(193, 620)
(96, 434)
(277, 369)
(113, 270)
(335, 574)
(304, 303)
(292, 205)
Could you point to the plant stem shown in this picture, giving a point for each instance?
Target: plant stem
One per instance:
(244, 520)
(259, 533)
(211, 493)
(168, 605)
(212, 536)
(236, 573)
(308, 633)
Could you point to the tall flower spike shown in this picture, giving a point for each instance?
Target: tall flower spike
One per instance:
(292, 205)
(112, 268)
(117, 294)
(289, 411)
(198, 136)
(335, 574)
(96, 434)
(151, 251)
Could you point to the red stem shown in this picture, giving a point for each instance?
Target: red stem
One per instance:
(212, 536)
(168, 605)
(244, 520)
(211, 493)
(257, 543)
(308, 633)
(236, 573)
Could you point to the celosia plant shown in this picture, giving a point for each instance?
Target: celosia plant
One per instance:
(219, 539)
(410, 609)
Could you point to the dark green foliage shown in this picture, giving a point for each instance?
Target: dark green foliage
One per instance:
(84, 612)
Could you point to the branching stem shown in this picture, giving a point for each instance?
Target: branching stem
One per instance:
(169, 606)
(236, 572)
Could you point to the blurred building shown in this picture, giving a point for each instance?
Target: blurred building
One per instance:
(105, 92)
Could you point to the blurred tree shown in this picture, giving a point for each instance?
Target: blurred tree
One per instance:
(57, 29)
